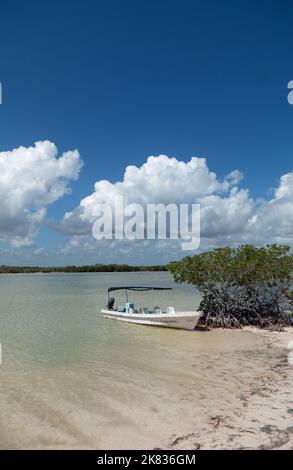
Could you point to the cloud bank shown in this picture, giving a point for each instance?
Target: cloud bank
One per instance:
(31, 178)
(160, 180)
(228, 213)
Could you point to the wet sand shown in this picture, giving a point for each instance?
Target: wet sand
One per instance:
(265, 419)
(147, 393)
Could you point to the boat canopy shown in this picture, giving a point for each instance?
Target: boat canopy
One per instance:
(137, 288)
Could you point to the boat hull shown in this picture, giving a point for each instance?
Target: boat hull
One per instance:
(179, 320)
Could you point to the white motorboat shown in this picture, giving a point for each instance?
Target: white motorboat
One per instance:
(170, 318)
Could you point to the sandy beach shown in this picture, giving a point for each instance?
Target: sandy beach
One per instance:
(264, 421)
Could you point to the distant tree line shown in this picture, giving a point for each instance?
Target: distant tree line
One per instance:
(97, 268)
(241, 286)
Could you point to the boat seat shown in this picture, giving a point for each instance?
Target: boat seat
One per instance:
(157, 310)
(170, 309)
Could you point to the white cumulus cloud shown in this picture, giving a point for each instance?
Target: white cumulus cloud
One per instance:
(228, 213)
(225, 208)
(272, 220)
(31, 178)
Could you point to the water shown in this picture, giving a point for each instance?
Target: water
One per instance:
(72, 379)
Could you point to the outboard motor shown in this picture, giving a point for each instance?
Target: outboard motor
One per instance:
(111, 302)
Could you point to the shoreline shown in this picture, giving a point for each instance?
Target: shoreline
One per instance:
(265, 421)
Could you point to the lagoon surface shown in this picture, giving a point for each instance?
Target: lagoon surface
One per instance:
(72, 379)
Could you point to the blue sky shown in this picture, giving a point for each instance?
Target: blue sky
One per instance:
(120, 81)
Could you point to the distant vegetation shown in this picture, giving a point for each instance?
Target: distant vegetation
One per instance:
(96, 268)
(241, 286)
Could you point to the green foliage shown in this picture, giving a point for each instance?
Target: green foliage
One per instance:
(97, 268)
(241, 286)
